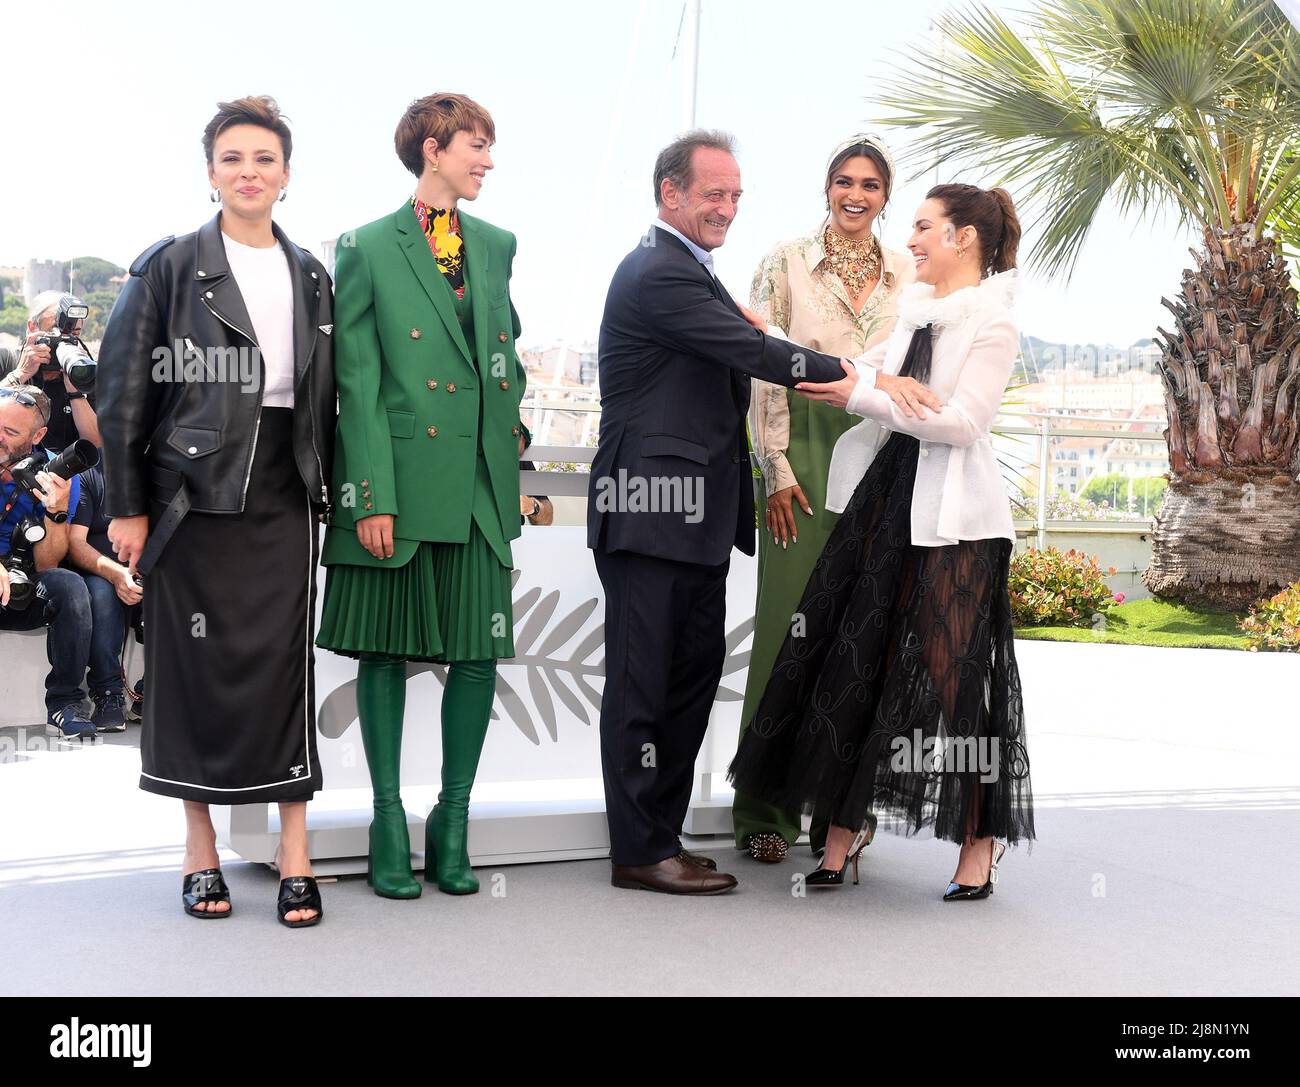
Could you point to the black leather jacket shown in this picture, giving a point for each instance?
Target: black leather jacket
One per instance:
(172, 400)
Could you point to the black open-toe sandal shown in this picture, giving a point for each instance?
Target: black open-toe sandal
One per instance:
(205, 887)
(299, 893)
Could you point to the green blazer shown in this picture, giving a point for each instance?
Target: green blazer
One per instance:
(410, 388)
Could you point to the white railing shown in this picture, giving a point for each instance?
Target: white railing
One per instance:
(1040, 428)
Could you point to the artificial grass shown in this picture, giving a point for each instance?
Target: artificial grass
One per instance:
(1151, 622)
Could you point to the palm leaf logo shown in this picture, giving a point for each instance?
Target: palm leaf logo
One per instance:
(559, 661)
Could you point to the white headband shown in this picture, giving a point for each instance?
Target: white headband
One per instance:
(868, 140)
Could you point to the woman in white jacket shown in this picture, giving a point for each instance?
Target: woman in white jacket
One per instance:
(896, 689)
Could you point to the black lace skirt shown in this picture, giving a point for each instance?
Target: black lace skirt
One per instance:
(896, 691)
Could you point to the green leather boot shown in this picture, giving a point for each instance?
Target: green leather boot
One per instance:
(466, 710)
(381, 703)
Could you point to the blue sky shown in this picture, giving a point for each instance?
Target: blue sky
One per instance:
(103, 155)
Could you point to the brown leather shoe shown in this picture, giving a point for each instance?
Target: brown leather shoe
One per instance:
(673, 876)
(700, 859)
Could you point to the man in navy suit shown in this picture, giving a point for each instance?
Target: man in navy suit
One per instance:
(671, 493)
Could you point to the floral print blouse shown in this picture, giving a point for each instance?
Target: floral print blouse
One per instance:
(796, 289)
(441, 228)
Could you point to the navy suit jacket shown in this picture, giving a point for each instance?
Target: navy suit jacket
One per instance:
(671, 476)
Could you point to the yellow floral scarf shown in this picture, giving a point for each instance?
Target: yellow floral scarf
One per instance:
(441, 228)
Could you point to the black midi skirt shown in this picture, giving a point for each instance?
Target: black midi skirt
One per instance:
(896, 691)
(230, 701)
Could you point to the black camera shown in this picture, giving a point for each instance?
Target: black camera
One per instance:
(67, 351)
(21, 563)
(79, 456)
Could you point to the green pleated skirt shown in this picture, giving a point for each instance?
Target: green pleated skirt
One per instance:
(450, 602)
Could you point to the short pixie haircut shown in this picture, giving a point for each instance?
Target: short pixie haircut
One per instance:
(256, 109)
(439, 116)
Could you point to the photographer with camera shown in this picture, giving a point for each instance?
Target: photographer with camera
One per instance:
(36, 493)
(114, 595)
(54, 359)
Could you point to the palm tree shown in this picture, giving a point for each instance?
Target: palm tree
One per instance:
(1184, 105)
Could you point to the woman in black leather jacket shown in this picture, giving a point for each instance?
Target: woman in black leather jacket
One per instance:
(217, 407)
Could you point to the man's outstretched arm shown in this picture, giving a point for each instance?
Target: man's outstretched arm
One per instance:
(684, 315)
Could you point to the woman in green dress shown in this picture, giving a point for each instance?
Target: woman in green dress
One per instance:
(427, 474)
(835, 291)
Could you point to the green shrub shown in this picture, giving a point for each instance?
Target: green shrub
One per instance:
(1055, 588)
(1275, 623)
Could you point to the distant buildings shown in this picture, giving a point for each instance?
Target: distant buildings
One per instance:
(1110, 389)
(564, 364)
(43, 275)
(563, 393)
(1135, 394)
(1077, 461)
(1097, 361)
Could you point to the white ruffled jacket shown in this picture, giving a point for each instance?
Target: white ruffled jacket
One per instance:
(959, 493)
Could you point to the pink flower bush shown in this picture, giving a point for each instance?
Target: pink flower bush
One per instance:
(1275, 623)
(1055, 588)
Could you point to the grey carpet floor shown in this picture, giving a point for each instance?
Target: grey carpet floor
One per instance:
(1167, 809)
(1180, 900)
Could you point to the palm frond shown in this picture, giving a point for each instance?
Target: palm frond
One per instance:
(1189, 106)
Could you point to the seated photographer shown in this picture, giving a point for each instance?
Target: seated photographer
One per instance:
(536, 509)
(53, 331)
(34, 591)
(113, 592)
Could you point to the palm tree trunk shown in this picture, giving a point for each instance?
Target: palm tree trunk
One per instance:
(1228, 532)
(1223, 544)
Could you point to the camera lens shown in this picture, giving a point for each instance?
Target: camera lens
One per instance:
(21, 590)
(29, 531)
(79, 456)
(78, 365)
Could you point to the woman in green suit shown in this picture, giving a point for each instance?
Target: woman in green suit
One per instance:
(427, 474)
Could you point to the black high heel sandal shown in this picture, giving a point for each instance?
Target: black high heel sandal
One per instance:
(299, 893)
(961, 892)
(205, 887)
(834, 877)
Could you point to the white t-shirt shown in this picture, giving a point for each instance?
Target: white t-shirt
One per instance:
(267, 290)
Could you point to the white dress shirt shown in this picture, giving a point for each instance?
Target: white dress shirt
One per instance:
(959, 493)
(704, 256)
